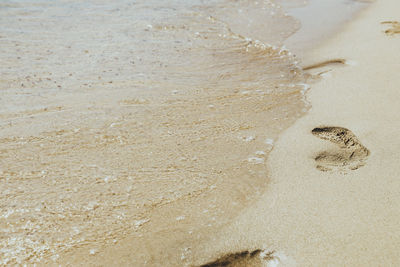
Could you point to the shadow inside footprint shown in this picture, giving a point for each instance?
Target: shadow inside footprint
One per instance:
(395, 27)
(349, 155)
(256, 258)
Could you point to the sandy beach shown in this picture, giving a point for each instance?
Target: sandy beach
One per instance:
(243, 154)
(339, 216)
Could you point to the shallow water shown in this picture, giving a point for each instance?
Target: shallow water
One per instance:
(138, 126)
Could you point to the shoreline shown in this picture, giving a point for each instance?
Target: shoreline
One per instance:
(339, 217)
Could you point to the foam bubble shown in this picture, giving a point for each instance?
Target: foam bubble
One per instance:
(255, 160)
(139, 223)
(305, 88)
(249, 138)
(180, 218)
(269, 141)
(260, 153)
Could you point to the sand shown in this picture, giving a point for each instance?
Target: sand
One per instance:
(331, 196)
(344, 216)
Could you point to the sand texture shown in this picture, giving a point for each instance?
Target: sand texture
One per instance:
(162, 162)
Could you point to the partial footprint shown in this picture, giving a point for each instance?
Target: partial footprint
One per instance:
(337, 61)
(318, 69)
(395, 27)
(349, 155)
(256, 258)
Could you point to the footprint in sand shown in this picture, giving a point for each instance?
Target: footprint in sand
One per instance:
(256, 258)
(350, 154)
(319, 69)
(395, 27)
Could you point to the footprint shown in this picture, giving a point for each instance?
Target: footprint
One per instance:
(337, 61)
(395, 27)
(255, 258)
(318, 69)
(349, 155)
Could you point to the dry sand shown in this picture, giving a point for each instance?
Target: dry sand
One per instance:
(348, 215)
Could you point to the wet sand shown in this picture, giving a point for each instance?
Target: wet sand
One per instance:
(136, 126)
(333, 198)
(320, 19)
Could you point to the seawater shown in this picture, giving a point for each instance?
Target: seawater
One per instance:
(138, 126)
